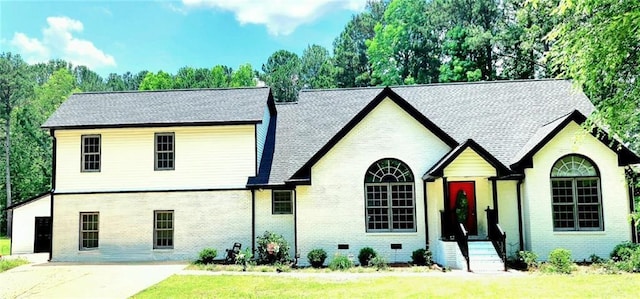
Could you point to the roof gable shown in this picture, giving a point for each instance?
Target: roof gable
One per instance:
(438, 169)
(304, 173)
(524, 159)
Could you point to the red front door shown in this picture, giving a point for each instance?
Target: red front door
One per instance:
(462, 200)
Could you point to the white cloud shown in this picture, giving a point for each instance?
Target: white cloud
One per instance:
(58, 42)
(280, 16)
(32, 49)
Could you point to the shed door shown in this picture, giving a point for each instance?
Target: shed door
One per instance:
(42, 240)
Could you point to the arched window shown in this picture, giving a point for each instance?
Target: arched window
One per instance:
(575, 192)
(390, 197)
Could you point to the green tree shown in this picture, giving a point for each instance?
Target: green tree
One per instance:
(16, 87)
(31, 148)
(405, 46)
(461, 66)
(480, 19)
(158, 81)
(220, 77)
(597, 45)
(316, 69)
(352, 65)
(88, 80)
(115, 83)
(282, 74)
(43, 70)
(521, 40)
(244, 76)
(185, 78)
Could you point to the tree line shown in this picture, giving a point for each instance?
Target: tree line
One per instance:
(397, 42)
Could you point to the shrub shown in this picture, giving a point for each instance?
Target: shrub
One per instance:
(244, 257)
(340, 262)
(316, 257)
(630, 263)
(560, 261)
(207, 256)
(379, 262)
(421, 257)
(595, 259)
(529, 258)
(272, 248)
(365, 256)
(623, 251)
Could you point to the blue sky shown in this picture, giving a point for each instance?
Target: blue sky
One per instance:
(120, 36)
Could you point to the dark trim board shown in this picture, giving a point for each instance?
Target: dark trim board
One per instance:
(157, 125)
(34, 198)
(152, 191)
(438, 169)
(625, 155)
(305, 171)
(53, 186)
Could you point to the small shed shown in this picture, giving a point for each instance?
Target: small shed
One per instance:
(31, 225)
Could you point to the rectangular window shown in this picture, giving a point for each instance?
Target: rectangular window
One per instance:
(89, 230)
(90, 153)
(164, 151)
(390, 207)
(576, 204)
(282, 202)
(163, 229)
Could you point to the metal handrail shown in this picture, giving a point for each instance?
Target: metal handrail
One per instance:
(497, 235)
(462, 238)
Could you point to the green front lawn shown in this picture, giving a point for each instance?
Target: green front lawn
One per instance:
(446, 285)
(5, 246)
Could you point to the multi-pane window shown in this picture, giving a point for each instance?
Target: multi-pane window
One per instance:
(89, 230)
(390, 197)
(164, 151)
(575, 192)
(90, 153)
(282, 202)
(162, 229)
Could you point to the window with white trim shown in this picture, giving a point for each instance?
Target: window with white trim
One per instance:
(390, 197)
(162, 229)
(282, 202)
(89, 230)
(164, 151)
(90, 155)
(575, 194)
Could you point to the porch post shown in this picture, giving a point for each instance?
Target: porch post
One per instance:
(494, 186)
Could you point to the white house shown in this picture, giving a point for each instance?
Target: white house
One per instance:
(160, 175)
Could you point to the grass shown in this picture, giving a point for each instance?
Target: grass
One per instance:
(6, 264)
(268, 268)
(446, 285)
(5, 246)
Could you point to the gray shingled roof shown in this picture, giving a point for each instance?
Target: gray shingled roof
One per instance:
(107, 109)
(501, 116)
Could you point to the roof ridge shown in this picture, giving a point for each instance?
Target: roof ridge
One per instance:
(480, 82)
(172, 90)
(436, 84)
(344, 88)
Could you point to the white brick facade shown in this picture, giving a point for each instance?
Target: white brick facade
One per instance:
(537, 197)
(214, 219)
(332, 210)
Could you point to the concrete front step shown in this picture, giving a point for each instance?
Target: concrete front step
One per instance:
(484, 258)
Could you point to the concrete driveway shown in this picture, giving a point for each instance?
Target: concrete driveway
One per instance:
(62, 280)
